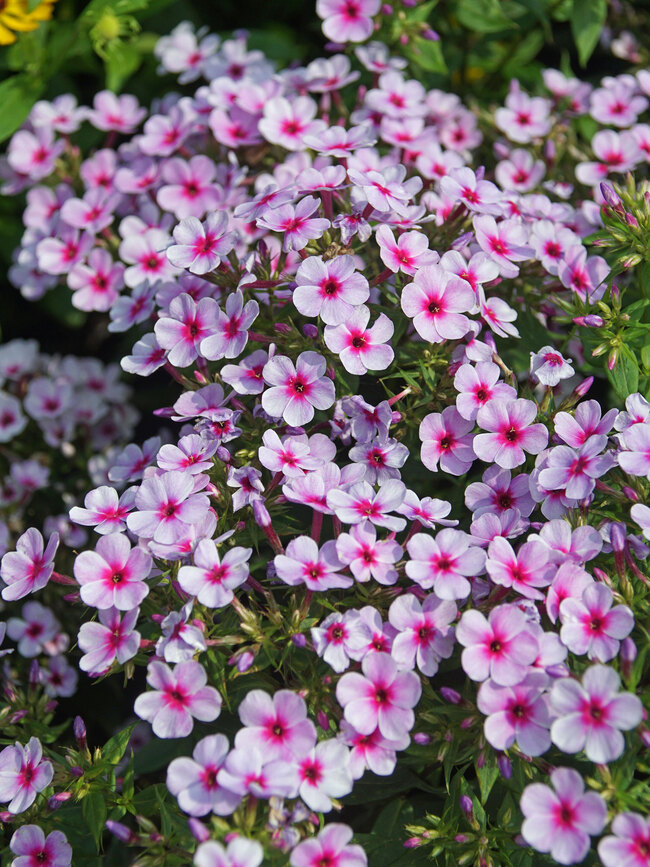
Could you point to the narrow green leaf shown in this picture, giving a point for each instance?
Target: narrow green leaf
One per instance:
(17, 96)
(114, 749)
(487, 776)
(482, 16)
(625, 375)
(645, 357)
(427, 54)
(93, 808)
(587, 21)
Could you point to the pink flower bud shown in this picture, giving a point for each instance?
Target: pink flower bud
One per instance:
(430, 35)
(310, 331)
(465, 804)
(422, 738)
(630, 494)
(450, 695)
(123, 834)
(198, 830)
(505, 767)
(323, 720)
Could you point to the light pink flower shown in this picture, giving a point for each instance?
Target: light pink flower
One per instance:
(381, 697)
(524, 570)
(367, 556)
(229, 336)
(362, 503)
(239, 852)
(444, 562)
(324, 773)
(29, 567)
(23, 774)
(276, 725)
(446, 438)
(201, 246)
(305, 563)
(194, 781)
(287, 122)
(104, 510)
(511, 432)
(425, 636)
(437, 301)
(107, 640)
(517, 713)
(559, 820)
(478, 385)
(179, 696)
(347, 20)
(332, 846)
(408, 253)
(592, 714)
(330, 289)
(361, 348)
(113, 574)
(297, 390)
(504, 242)
(630, 847)
(591, 625)
(34, 849)
(212, 579)
(501, 647)
(165, 505)
(340, 638)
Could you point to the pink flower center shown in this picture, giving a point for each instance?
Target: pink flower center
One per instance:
(512, 435)
(311, 771)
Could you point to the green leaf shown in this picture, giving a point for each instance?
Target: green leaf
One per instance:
(17, 96)
(113, 749)
(122, 61)
(427, 54)
(625, 375)
(645, 357)
(93, 808)
(420, 14)
(482, 16)
(587, 21)
(487, 775)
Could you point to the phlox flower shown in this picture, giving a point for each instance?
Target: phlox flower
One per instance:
(445, 562)
(59, 679)
(34, 153)
(362, 503)
(635, 460)
(180, 640)
(427, 511)
(330, 289)
(517, 713)
(408, 253)
(165, 133)
(574, 471)
(294, 455)
(501, 647)
(107, 640)
(192, 454)
(247, 481)
(229, 336)
(497, 315)
(296, 223)
(188, 190)
(523, 118)
(447, 439)
(549, 367)
(524, 570)
(585, 422)
(185, 52)
(180, 331)
(381, 457)
(34, 849)
(246, 377)
(347, 20)
(579, 545)
(617, 104)
(630, 845)
(131, 309)
(505, 242)
(286, 122)
(520, 171)
(297, 390)
(275, 725)
(500, 492)
(511, 432)
(551, 242)
(239, 852)
(59, 255)
(30, 566)
(461, 185)
(113, 574)
(324, 773)
(478, 385)
(396, 96)
(641, 515)
(340, 638)
(381, 697)
(615, 152)
(179, 696)
(560, 819)
(437, 302)
(592, 714)
(23, 774)
(33, 630)
(165, 505)
(94, 212)
(193, 781)
(146, 257)
(361, 348)
(424, 633)
(387, 190)
(212, 579)
(130, 464)
(96, 285)
(584, 275)
(592, 625)
(201, 246)
(304, 562)
(112, 112)
(367, 556)
(12, 419)
(104, 509)
(371, 752)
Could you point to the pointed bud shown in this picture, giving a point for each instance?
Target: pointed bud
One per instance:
(422, 738)
(465, 804)
(123, 834)
(198, 830)
(610, 196)
(79, 732)
(505, 767)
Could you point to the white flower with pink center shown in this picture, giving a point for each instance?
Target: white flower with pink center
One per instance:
(408, 253)
(104, 510)
(425, 634)
(113, 574)
(591, 625)
(387, 190)
(524, 570)
(367, 556)
(200, 246)
(297, 390)
(446, 439)
(213, 578)
(501, 647)
(511, 432)
(330, 289)
(505, 242)
(23, 774)
(362, 503)
(188, 190)
(324, 773)
(549, 367)
(145, 254)
(340, 638)
(361, 348)
(462, 186)
(193, 781)
(166, 505)
(524, 118)
(445, 562)
(96, 284)
(592, 714)
(306, 563)
(185, 325)
(296, 223)
(276, 725)
(347, 20)
(478, 385)
(520, 172)
(286, 122)
(34, 153)
(437, 302)
(517, 713)
(30, 566)
(111, 637)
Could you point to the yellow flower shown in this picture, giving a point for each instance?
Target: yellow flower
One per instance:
(15, 17)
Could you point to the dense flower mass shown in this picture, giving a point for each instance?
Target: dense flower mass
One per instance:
(359, 309)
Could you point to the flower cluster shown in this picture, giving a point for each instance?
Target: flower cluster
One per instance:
(338, 298)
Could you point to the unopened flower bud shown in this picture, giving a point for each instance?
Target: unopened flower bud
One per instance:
(76, 771)
(645, 737)
(323, 720)
(550, 151)
(245, 661)
(386, 9)
(422, 738)
(310, 331)
(450, 695)
(198, 830)
(465, 803)
(505, 767)
(58, 800)
(430, 35)
(404, 39)
(123, 834)
(282, 328)
(79, 732)
(501, 150)
(299, 640)
(223, 454)
(611, 361)
(610, 196)
(261, 514)
(17, 716)
(413, 842)
(630, 494)
(599, 575)
(618, 536)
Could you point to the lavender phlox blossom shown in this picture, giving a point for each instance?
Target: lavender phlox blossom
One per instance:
(428, 511)
(347, 22)
(504, 242)
(194, 781)
(445, 562)
(129, 465)
(30, 566)
(615, 153)
(592, 714)
(180, 640)
(246, 377)
(479, 270)
(23, 774)
(212, 579)
(362, 503)
(33, 630)
(559, 820)
(549, 367)
(635, 460)
(523, 118)
(296, 223)
(107, 640)
(367, 421)
(113, 574)
(381, 697)
(499, 491)
(524, 570)
(408, 253)
(239, 852)
(425, 636)
(461, 185)
(641, 515)
(520, 171)
(297, 390)
(192, 454)
(367, 556)
(592, 625)
(276, 725)
(104, 510)
(585, 276)
(306, 563)
(387, 190)
(630, 847)
(295, 455)
(12, 419)
(617, 103)
(34, 849)
(340, 638)
(286, 122)
(517, 713)
(322, 774)
(585, 422)
(361, 348)
(447, 440)
(166, 504)
(179, 696)
(511, 432)
(329, 289)
(501, 647)
(381, 458)
(229, 335)
(579, 545)
(312, 489)
(574, 471)
(477, 385)
(200, 403)
(201, 246)
(34, 153)
(551, 242)
(182, 328)
(637, 410)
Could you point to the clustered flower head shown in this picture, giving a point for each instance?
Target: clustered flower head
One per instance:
(339, 318)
